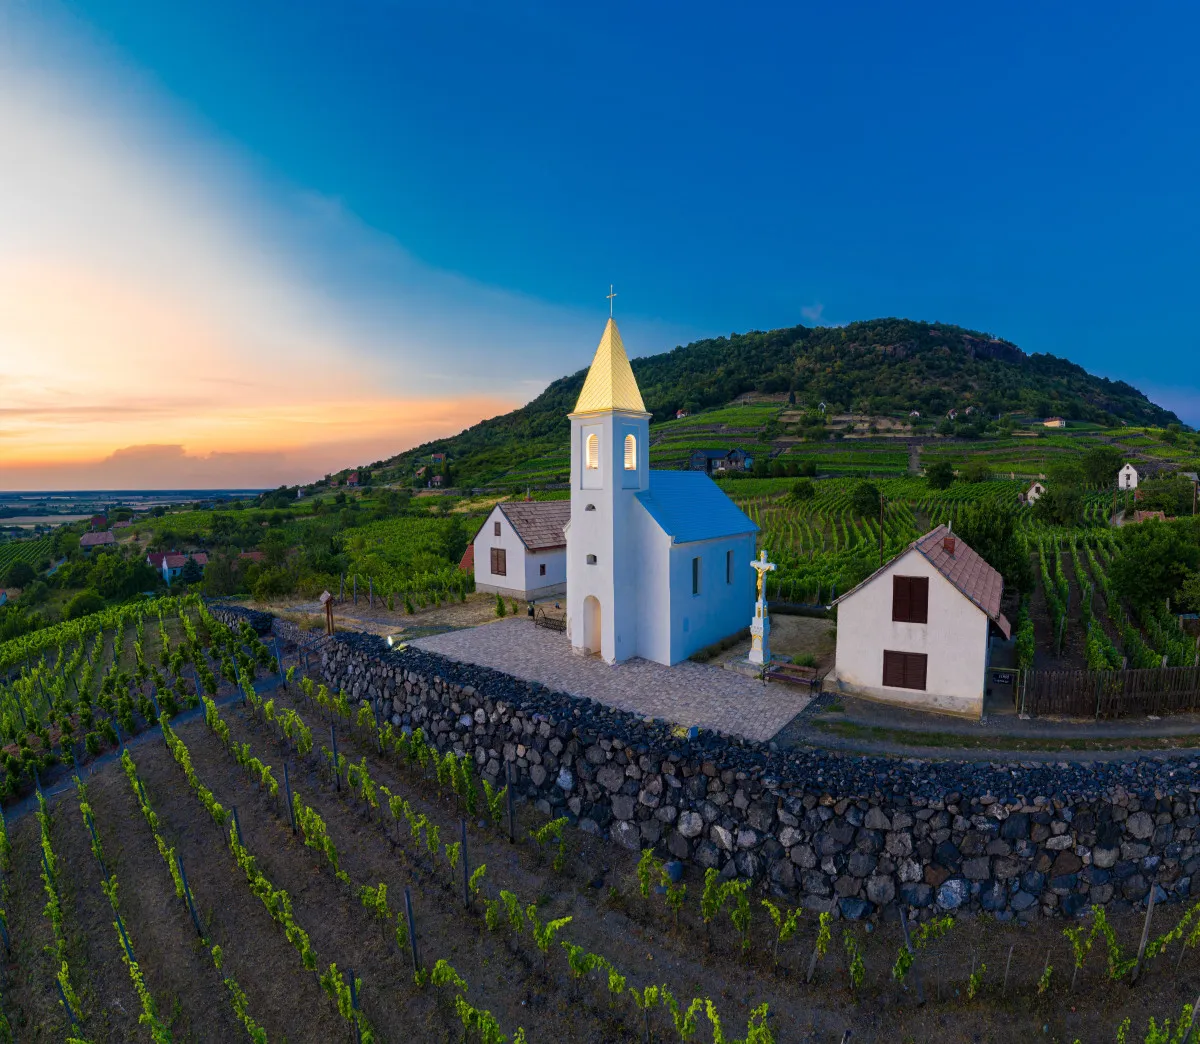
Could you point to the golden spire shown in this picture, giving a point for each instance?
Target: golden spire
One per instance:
(610, 383)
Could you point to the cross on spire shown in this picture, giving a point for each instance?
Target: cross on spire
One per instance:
(611, 295)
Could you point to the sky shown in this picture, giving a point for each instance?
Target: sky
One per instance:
(246, 244)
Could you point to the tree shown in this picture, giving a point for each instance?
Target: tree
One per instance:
(865, 499)
(940, 475)
(990, 529)
(1172, 495)
(20, 574)
(1156, 560)
(977, 470)
(1189, 593)
(809, 468)
(191, 573)
(1060, 505)
(803, 490)
(221, 576)
(1101, 464)
(83, 604)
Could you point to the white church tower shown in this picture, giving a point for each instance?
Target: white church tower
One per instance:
(610, 431)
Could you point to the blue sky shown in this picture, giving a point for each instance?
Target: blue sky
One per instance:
(479, 173)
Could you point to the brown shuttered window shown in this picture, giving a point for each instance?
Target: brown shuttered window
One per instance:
(499, 562)
(910, 599)
(904, 670)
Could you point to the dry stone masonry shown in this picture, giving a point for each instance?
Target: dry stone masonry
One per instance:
(1015, 840)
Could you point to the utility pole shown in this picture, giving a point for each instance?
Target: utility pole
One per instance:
(882, 498)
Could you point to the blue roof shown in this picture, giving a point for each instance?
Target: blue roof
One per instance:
(688, 505)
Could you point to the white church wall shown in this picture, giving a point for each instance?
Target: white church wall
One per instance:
(654, 589)
(955, 640)
(721, 608)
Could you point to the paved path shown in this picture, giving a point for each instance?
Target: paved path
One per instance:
(686, 694)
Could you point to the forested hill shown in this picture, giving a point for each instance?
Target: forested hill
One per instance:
(881, 366)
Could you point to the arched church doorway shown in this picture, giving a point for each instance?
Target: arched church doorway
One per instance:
(591, 624)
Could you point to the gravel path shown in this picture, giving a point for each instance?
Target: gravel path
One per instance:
(686, 694)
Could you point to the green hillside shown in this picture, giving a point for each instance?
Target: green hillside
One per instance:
(880, 368)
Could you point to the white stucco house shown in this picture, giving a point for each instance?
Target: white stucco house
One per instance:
(521, 549)
(917, 632)
(1127, 477)
(1034, 493)
(658, 562)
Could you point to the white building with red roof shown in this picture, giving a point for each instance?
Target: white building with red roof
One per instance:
(172, 564)
(918, 631)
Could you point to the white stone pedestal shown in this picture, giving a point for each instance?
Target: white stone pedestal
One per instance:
(760, 635)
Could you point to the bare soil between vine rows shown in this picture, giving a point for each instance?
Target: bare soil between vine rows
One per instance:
(504, 972)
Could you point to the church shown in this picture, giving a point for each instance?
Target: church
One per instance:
(657, 562)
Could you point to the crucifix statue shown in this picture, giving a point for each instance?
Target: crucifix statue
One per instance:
(760, 626)
(762, 567)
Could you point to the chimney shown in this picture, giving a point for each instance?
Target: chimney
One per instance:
(948, 544)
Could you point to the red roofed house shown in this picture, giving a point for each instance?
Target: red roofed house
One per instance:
(918, 631)
(155, 559)
(98, 521)
(352, 479)
(438, 458)
(467, 562)
(90, 540)
(437, 481)
(253, 556)
(172, 565)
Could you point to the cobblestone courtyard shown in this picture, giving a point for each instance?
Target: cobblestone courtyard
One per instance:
(686, 694)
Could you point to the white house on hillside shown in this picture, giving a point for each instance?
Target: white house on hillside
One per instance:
(521, 550)
(658, 562)
(1127, 477)
(917, 631)
(1034, 493)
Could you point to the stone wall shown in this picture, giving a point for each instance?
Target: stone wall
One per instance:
(1017, 840)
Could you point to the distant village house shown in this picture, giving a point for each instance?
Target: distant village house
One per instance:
(352, 479)
(173, 565)
(717, 461)
(92, 540)
(1033, 494)
(1054, 422)
(1127, 478)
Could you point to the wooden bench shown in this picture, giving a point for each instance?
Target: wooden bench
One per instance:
(791, 674)
(552, 621)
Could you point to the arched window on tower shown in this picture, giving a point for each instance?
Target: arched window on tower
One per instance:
(630, 453)
(592, 443)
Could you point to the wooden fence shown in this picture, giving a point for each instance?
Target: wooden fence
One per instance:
(1109, 694)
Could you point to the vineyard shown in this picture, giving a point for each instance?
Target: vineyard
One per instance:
(822, 546)
(288, 867)
(32, 551)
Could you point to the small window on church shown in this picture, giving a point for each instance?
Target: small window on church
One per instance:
(591, 559)
(630, 453)
(593, 452)
(695, 576)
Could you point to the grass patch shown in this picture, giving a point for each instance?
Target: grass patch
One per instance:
(961, 741)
